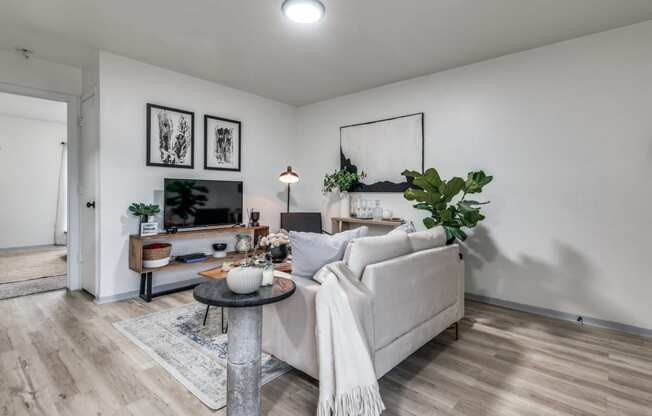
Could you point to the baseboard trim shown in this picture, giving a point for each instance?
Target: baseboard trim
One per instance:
(134, 293)
(551, 313)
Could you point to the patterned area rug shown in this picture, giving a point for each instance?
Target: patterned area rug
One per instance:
(193, 354)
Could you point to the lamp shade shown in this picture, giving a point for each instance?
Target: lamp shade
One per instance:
(288, 176)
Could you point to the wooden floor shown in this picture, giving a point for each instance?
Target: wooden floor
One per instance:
(60, 355)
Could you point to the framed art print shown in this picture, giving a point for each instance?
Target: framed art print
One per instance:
(222, 143)
(382, 149)
(170, 137)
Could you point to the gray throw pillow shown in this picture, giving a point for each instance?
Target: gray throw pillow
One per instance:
(312, 251)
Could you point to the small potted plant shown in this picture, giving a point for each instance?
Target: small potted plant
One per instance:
(145, 212)
(342, 181)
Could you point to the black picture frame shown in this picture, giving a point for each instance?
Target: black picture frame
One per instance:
(152, 107)
(383, 186)
(207, 118)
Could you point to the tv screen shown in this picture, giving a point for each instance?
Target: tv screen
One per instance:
(193, 203)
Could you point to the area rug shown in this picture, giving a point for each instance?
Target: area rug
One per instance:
(193, 354)
(17, 265)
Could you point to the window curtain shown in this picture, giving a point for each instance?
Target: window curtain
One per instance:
(61, 223)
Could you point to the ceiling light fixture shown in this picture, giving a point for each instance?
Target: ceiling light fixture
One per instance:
(303, 11)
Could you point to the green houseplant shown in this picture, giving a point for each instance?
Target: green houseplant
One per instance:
(144, 210)
(437, 196)
(342, 181)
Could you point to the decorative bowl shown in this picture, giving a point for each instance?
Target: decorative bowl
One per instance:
(244, 280)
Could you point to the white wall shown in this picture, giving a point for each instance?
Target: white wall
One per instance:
(30, 156)
(567, 131)
(40, 74)
(126, 86)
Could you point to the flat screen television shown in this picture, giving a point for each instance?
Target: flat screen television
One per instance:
(195, 203)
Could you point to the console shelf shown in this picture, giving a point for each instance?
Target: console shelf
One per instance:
(136, 243)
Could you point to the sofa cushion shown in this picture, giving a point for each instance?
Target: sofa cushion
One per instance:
(369, 250)
(424, 240)
(407, 227)
(311, 251)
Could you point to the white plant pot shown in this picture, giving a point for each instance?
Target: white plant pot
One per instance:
(244, 280)
(345, 205)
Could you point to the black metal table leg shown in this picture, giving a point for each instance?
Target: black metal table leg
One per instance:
(225, 325)
(208, 307)
(146, 286)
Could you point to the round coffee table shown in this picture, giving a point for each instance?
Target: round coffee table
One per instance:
(245, 336)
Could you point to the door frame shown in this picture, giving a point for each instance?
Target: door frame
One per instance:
(93, 93)
(74, 107)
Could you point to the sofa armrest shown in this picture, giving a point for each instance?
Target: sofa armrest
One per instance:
(411, 289)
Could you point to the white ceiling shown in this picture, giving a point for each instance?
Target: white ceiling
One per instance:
(34, 108)
(248, 44)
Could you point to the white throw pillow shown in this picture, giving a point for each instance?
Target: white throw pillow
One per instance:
(424, 240)
(311, 251)
(369, 250)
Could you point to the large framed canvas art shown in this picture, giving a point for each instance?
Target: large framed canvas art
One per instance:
(222, 143)
(170, 137)
(383, 149)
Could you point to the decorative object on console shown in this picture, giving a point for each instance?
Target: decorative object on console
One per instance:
(243, 243)
(254, 217)
(170, 137)
(387, 214)
(342, 181)
(222, 143)
(382, 148)
(220, 250)
(148, 229)
(377, 212)
(191, 258)
(277, 243)
(288, 177)
(245, 279)
(145, 213)
(156, 255)
(436, 196)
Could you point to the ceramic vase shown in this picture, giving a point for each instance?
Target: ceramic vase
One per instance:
(345, 205)
(244, 280)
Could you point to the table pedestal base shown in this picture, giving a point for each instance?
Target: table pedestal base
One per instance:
(243, 362)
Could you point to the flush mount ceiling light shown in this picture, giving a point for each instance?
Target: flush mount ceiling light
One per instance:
(303, 11)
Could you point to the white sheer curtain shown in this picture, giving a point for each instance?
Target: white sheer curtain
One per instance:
(61, 224)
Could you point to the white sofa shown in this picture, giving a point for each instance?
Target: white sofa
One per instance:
(416, 295)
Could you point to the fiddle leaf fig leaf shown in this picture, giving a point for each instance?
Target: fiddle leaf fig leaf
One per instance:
(452, 188)
(429, 222)
(411, 173)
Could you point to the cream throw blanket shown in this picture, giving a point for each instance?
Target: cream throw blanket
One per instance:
(347, 380)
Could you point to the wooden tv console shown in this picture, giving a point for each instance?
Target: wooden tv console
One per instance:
(136, 243)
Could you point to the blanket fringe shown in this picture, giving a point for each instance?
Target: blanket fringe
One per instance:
(361, 401)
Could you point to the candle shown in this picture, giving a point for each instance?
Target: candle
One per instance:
(268, 275)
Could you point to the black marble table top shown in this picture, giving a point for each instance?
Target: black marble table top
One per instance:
(217, 293)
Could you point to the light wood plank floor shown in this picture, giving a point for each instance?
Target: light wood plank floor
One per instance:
(60, 355)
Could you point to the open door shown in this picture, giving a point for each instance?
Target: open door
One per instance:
(88, 191)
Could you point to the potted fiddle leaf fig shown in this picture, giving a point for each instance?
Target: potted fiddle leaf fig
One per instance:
(442, 199)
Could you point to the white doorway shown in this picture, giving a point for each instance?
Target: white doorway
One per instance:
(46, 219)
(33, 185)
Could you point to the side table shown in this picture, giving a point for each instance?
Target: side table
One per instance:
(244, 339)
